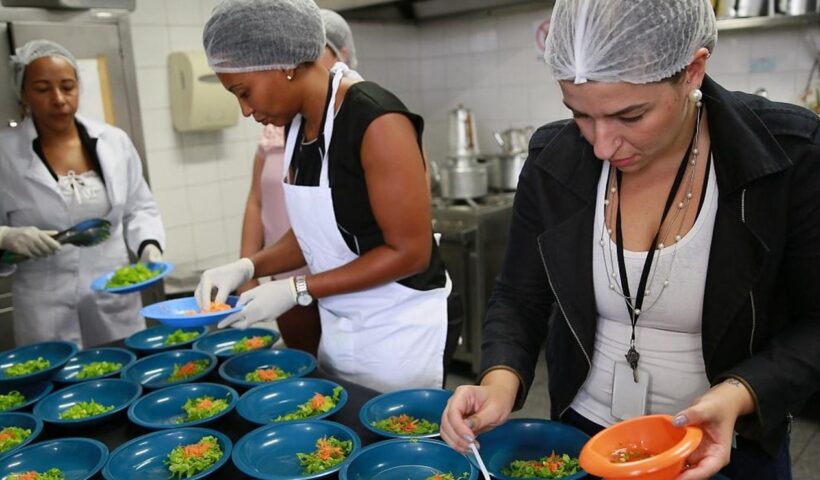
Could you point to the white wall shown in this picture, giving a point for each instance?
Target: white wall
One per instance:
(200, 180)
(489, 64)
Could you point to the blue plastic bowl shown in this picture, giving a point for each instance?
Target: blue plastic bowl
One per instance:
(262, 404)
(294, 362)
(221, 342)
(69, 372)
(143, 458)
(78, 458)
(177, 312)
(163, 408)
(32, 392)
(163, 269)
(421, 403)
(403, 459)
(155, 370)
(528, 439)
(56, 352)
(152, 340)
(21, 420)
(114, 392)
(269, 452)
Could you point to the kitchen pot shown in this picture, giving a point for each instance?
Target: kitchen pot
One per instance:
(463, 178)
(463, 141)
(503, 170)
(796, 7)
(513, 140)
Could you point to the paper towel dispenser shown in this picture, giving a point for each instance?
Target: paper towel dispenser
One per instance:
(198, 101)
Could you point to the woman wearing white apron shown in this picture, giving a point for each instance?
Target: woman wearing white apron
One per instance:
(357, 198)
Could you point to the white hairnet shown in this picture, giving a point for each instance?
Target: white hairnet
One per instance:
(30, 52)
(339, 37)
(633, 41)
(256, 35)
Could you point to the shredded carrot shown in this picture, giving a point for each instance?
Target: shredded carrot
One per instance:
(255, 342)
(216, 307)
(187, 369)
(267, 375)
(204, 403)
(27, 476)
(196, 450)
(5, 436)
(317, 401)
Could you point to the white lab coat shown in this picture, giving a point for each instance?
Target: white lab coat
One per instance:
(52, 297)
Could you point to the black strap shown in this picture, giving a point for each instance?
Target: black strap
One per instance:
(320, 138)
(647, 266)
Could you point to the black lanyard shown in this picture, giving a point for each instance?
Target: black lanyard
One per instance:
(632, 356)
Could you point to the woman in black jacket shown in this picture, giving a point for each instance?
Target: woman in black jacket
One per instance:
(665, 242)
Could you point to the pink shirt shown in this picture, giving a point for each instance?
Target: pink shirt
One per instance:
(275, 222)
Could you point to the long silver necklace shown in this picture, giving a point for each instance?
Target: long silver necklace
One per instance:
(662, 237)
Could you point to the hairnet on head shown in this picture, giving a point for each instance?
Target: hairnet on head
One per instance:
(633, 41)
(32, 51)
(339, 37)
(256, 35)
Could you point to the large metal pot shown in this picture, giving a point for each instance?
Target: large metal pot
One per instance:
(503, 170)
(462, 178)
(513, 140)
(462, 137)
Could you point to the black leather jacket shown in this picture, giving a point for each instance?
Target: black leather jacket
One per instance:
(761, 312)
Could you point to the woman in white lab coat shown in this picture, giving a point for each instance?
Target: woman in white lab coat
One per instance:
(357, 199)
(57, 169)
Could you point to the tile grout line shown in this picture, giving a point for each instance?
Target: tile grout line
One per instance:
(797, 457)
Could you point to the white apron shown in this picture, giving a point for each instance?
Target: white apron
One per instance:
(386, 338)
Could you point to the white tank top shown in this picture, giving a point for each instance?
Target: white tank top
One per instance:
(668, 332)
(85, 195)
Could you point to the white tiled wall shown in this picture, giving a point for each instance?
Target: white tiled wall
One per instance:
(490, 64)
(200, 180)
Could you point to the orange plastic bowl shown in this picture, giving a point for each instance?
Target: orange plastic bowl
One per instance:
(669, 445)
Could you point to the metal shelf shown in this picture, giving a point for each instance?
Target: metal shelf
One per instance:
(769, 21)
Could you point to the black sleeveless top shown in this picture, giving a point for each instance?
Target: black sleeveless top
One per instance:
(363, 103)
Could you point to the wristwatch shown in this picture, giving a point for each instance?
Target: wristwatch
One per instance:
(303, 297)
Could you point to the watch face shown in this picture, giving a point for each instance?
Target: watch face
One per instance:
(304, 299)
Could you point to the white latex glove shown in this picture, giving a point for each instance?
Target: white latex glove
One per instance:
(225, 279)
(151, 254)
(269, 300)
(28, 241)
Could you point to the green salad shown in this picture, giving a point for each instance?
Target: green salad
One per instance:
(317, 405)
(130, 275)
(28, 367)
(247, 344)
(201, 408)
(51, 474)
(266, 375)
(98, 369)
(552, 466)
(329, 452)
(11, 400)
(406, 425)
(188, 370)
(180, 336)
(185, 461)
(10, 437)
(82, 410)
(448, 476)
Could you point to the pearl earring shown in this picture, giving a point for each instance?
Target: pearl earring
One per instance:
(695, 96)
(290, 77)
